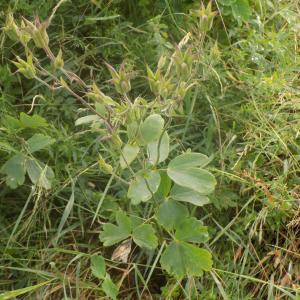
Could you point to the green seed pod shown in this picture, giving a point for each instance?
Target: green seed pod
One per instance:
(38, 33)
(11, 28)
(26, 67)
(58, 61)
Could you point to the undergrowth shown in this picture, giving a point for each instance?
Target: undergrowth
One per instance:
(149, 150)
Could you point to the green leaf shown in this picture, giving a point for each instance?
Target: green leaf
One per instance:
(39, 173)
(123, 221)
(241, 10)
(170, 213)
(109, 288)
(98, 266)
(182, 259)
(158, 151)
(129, 153)
(38, 142)
(184, 194)
(143, 186)
(152, 128)
(87, 119)
(185, 171)
(165, 185)
(189, 160)
(14, 169)
(11, 122)
(196, 179)
(191, 230)
(144, 236)
(113, 234)
(34, 121)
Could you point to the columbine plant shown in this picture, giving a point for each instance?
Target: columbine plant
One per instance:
(138, 132)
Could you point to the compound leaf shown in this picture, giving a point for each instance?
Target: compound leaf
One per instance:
(14, 169)
(98, 266)
(191, 230)
(109, 288)
(183, 194)
(158, 151)
(113, 234)
(152, 128)
(38, 142)
(182, 259)
(186, 171)
(129, 153)
(144, 236)
(171, 212)
(143, 186)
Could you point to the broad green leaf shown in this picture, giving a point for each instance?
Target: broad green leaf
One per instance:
(165, 185)
(152, 128)
(241, 10)
(191, 230)
(182, 259)
(14, 169)
(113, 234)
(11, 122)
(38, 142)
(129, 153)
(109, 288)
(98, 266)
(123, 221)
(170, 213)
(87, 119)
(158, 151)
(143, 186)
(144, 236)
(39, 173)
(34, 121)
(189, 160)
(196, 179)
(184, 194)
(185, 170)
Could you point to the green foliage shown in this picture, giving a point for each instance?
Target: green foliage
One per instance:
(151, 128)
(170, 213)
(181, 258)
(98, 268)
(142, 234)
(136, 107)
(38, 142)
(144, 185)
(186, 170)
